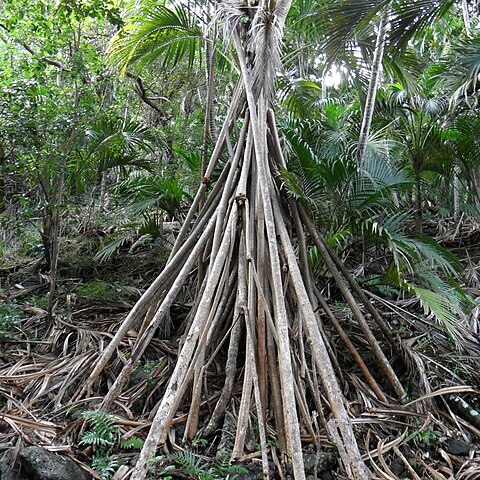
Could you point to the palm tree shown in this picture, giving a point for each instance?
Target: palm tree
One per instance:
(373, 85)
(466, 150)
(365, 207)
(423, 142)
(345, 24)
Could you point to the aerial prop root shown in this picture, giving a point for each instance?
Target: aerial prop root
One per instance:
(180, 251)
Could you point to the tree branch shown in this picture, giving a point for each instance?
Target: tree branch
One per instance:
(32, 52)
(142, 93)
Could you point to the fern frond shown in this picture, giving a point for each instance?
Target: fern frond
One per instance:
(134, 443)
(191, 463)
(104, 466)
(223, 469)
(103, 431)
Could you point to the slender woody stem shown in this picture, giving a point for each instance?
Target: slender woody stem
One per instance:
(179, 381)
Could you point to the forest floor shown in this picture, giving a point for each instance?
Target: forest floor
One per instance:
(43, 364)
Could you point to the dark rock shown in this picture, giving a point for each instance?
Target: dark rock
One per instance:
(324, 462)
(398, 469)
(7, 473)
(458, 447)
(326, 476)
(40, 464)
(9, 469)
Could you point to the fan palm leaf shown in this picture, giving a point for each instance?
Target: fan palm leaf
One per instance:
(297, 95)
(145, 191)
(110, 143)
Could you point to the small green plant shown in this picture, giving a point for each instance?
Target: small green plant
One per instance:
(272, 441)
(40, 301)
(149, 368)
(164, 473)
(223, 469)
(33, 243)
(424, 437)
(103, 434)
(195, 468)
(10, 315)
(104, 465)
(132, 443)
(199, 442)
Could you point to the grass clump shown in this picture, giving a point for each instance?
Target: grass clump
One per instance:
(96, 289)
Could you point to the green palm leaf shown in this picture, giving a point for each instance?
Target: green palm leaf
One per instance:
(110, 143)
(443, 306)
(411, 17)
(346, 24)
(297, 94)
(156, 32)
(463, 66)
(145, 191)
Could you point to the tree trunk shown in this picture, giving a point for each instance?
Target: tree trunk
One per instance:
(466, 18)
(103, 193)
(456, 194)
(476, 186)
(418, 203)
(2, 178)
(54, 211)
(372, 86)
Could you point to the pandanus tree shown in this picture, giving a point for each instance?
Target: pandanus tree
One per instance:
(256, 300)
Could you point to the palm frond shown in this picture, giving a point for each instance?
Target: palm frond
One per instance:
(118, 133)
(297, 94)
(109, 143)
(156, 32)
(342, 20)
(144, 191)
(443, 305)
(346, 24)
(411, 251)
(113, 243)
(463, 65)
(411, 17)
(425, 270)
